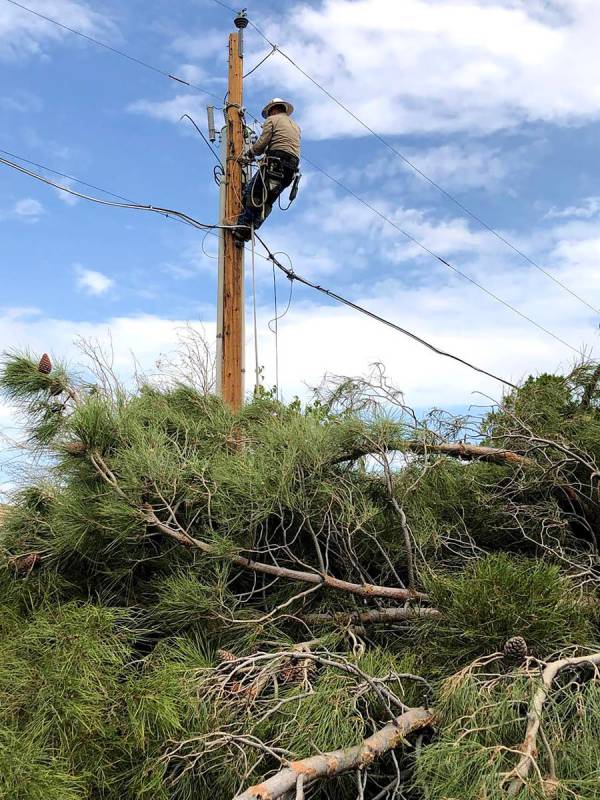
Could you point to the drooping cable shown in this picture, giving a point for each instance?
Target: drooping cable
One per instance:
(64, 175)
(261, 62)
(114, 50)
(166, 212)
(206, 141)
(294, 276)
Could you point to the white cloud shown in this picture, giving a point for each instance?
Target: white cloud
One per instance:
(65, 197)
(171, 110)
(589, 208)
(207, 45)
(26, 210)
(93, 282)
(438, 65)
(23, 35)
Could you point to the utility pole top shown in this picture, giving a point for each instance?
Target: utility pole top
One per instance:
(241, 21)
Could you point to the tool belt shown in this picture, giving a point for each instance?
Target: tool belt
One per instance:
(277, 164)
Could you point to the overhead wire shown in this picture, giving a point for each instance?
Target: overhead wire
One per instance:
(166, 212)
(65, 175)
(437, 186)
(292, 275)
(191, 221)
(261, 62)
(114, 50)
(275, 48)
(442, 260)
(211, 231)
(206, 141)
(271, 257)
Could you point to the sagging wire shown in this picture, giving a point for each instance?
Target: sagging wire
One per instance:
(294, 276)
(208, 144)
(165, 212)
(278, 317)
(262, 61)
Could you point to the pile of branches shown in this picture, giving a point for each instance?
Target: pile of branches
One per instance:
(340, 600)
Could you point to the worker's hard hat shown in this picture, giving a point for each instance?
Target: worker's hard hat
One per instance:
(277, 101)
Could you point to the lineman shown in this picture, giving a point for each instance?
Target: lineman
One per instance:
(280, 143)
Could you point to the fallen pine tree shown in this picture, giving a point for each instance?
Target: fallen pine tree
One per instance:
(333, 601)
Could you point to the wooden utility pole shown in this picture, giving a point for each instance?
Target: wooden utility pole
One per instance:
(232, 299)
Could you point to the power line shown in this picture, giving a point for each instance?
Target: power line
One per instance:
(420, 172)
(289, 272)
(436, 185)
(294, 276)
(64, 175)
(439, 258)
(166, 212)
(262, 61)
(209, 145)
(114, 50)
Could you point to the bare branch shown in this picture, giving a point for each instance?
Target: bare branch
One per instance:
(332, 764)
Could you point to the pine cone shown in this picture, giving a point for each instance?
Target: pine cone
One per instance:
(45, 365)
(74, 448)
(291, 674)
(515, 649)
(25, 564)
(226, 656)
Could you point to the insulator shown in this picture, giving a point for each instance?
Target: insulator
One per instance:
(241, 21)
(212, 131)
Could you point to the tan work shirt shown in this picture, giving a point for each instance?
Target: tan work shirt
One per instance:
(279, 132)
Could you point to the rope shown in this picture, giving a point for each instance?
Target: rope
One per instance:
(256, 363)
(275, 331)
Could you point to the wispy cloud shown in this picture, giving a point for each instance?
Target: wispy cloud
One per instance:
(588, 209)
(92, 282)
(23, 35)
(477, 65)
(25, 210)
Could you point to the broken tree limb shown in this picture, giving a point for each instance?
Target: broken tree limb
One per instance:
(337, 762)
(468, 452)
(174, 530)
(365, 590)
(382, 615)
(517, 778)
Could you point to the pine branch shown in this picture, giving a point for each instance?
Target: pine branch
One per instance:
(517, 778)
(374, 617)
(468, 452)
(335, 763)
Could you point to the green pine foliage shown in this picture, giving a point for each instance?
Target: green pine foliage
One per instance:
(118, 640)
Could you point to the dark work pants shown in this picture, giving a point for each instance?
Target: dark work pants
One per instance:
(258, 199)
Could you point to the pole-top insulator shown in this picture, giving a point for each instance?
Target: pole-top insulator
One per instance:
(241, 21)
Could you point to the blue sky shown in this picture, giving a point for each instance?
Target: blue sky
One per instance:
(498, 101)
